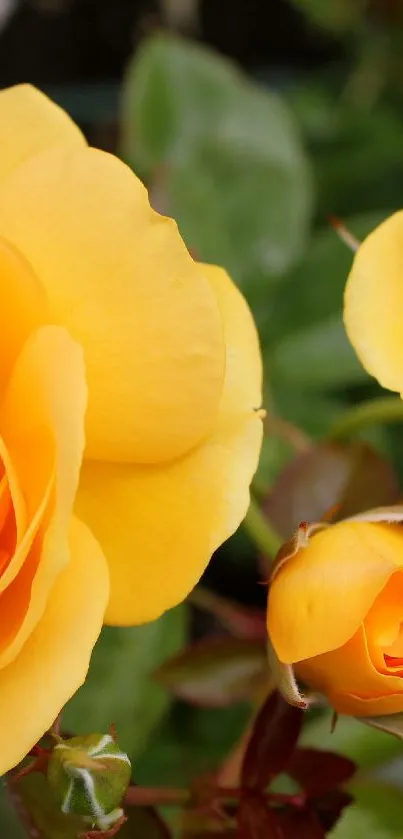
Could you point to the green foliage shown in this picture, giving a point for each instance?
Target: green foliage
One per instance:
(120, 687)
(337, 15)
(242, 197)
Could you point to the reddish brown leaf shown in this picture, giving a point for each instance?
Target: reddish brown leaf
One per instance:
(300, 824)
(274, 735)
(351, 477)
(318, 772)
(330, 806)
(217, 672)
(256, 820)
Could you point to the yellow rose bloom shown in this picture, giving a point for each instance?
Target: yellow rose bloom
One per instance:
(129, 382)
(335, 614)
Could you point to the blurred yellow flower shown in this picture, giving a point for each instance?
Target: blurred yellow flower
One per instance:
(119, 351)
(336, 614)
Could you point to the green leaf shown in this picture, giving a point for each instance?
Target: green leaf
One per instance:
(302, 330)
(34, 801)
(381, 800)
(338, 15)
(217, 671)
(318, 357)
(357, 823)
(313, 292)
(44, 820)
(11, 825)
(242, 197)
(190, 742)
(144, 823)
(120, 688)
(366, 746)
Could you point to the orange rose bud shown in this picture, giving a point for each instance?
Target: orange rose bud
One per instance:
(335, 613)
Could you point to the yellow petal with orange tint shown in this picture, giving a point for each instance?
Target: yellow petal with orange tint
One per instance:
(383, 624)
(320, 597)
(23, 305)
(54, 661)
(30, 123)
(119, 277)
(375, 706)
(159, 526)
(374, 303)
(348, 669)
(42, 423)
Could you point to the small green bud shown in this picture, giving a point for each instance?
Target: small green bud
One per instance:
(89, 777)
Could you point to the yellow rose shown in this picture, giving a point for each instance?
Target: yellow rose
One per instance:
(336, 614)
(118, 351)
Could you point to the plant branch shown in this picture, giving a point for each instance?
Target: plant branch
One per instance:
(386, 409)
(262, 533)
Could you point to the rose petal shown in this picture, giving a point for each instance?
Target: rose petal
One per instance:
(119, 277)
(30, 123)
(23, 305)
(42, 419)
(320, 597)
(348, 670)
(159, 526)
(54, 661)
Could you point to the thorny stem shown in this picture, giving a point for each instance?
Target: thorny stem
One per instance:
(162, 796)
(261, 531)
(386, 409)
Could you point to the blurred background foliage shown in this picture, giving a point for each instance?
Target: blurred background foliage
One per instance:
(251, 124)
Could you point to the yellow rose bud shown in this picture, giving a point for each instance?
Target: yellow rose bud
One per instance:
(335, 613)
(130, 378)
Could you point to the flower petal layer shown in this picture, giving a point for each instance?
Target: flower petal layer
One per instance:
(374, 303)
(30, 123)
(243, 378)
(54, 661)
(42, 423)
(23, 305)
(176, 516)
(119, 277)
(375, 706)
(319, 598)
(348, 670)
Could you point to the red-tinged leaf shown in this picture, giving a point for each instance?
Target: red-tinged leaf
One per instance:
(330, 806)
(238, 620)
(350, 477)
(217, 672)
(300, 824)
(318, 772)
(273, 739)
(256, 820)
